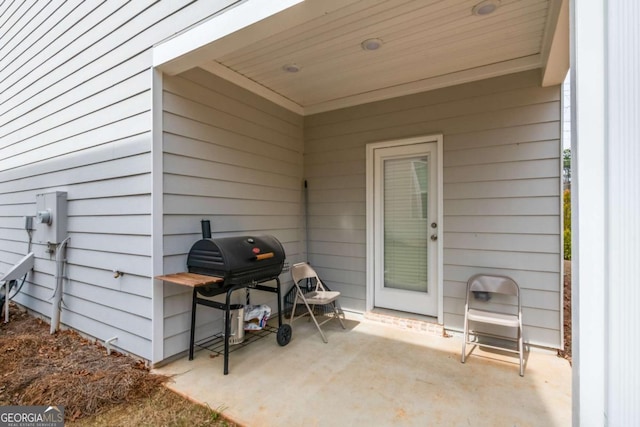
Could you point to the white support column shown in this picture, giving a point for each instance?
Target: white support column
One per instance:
(606, 209)
(623, 191)
(157, 229)
(588, 212)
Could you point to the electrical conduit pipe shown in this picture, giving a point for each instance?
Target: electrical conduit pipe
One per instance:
(57, 293)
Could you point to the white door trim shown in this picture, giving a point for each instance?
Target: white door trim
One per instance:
(370, 278)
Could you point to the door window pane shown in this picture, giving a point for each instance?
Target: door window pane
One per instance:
(405, 199)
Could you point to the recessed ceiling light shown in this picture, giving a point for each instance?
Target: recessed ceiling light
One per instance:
(291, 68)
(486, 7)
(371, 44)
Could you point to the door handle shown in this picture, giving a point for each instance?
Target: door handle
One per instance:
(434, 237)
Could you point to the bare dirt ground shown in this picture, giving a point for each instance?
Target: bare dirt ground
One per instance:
(96, 389)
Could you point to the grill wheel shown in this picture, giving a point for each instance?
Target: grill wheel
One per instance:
(284, 335)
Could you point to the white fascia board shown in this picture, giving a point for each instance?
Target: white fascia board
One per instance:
(178, 54)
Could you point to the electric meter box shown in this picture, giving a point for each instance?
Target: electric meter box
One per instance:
(51, 217)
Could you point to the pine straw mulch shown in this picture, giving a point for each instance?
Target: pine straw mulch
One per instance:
(65, 369)
(37, 368)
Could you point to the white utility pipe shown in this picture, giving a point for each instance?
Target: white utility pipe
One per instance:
(107, 344)
(57, 293)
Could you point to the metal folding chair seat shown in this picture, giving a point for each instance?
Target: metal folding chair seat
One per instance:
(481, 287)
(318, 296)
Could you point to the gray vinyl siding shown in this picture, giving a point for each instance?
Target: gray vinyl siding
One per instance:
(501, 190)
(75, 100)
(235, 159)
(75, 116)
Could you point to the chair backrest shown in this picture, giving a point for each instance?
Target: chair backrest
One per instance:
(301, 271)
(20, 269)
(494, 284)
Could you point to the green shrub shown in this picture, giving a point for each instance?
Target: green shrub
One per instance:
(566, 213)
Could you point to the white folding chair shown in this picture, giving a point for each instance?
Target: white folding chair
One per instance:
(318, 296)
(487, 285)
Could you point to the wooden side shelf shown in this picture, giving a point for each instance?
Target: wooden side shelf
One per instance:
(190, 279)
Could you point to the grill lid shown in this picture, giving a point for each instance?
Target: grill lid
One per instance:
(238, 260)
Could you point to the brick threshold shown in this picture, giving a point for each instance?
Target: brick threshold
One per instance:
(398, 320)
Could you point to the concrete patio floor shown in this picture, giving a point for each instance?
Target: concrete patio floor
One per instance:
(374, 374)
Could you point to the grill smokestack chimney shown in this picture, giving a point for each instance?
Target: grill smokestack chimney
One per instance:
(206, 228)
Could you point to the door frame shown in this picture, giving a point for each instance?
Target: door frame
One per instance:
(370, 205)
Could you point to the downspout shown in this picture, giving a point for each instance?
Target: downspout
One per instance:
(306, 220)
(57, 293)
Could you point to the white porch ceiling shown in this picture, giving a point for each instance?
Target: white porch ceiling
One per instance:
(426, 44)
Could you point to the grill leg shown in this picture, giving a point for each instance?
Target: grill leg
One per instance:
(227, 330)
(194, 303)
(279, 302)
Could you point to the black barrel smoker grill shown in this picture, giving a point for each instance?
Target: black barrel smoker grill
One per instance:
(244, 262)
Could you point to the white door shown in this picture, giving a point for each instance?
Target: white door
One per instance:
(405, 227)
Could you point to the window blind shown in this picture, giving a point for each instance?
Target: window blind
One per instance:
(405, 223)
